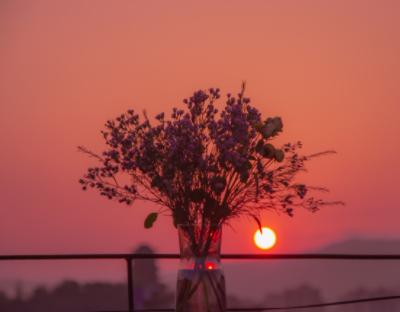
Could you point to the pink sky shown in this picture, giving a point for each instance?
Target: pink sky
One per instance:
(330, 69)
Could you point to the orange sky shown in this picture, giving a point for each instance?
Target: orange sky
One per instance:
(330, 69)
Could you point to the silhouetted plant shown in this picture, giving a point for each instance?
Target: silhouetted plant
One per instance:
(201, 168)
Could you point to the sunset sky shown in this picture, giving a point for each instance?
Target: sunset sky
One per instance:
(329, 69)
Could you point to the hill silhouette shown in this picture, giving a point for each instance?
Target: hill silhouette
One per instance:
(334, 278)
(362, 246)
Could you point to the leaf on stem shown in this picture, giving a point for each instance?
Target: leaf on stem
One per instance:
(258, 222)
(151, 218)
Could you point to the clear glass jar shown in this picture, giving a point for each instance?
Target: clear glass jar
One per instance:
(201, 281)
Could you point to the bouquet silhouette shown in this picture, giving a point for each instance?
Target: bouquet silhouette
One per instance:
(201, 167)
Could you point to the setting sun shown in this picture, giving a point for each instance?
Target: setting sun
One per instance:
(265, 240)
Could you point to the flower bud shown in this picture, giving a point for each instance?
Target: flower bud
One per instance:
(277, 121)
(267, 130)
(269, 151)
(279, 155)
(258, 125)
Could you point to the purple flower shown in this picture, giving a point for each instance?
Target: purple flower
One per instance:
(198, 150)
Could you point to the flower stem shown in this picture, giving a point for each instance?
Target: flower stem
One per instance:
(214, 289)
(206, 294)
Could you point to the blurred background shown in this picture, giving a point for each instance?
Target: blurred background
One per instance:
(330, 70)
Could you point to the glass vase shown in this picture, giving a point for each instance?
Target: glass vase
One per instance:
(201, 281)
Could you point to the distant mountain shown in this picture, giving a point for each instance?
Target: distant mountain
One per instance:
(362, 246)
(334, 278)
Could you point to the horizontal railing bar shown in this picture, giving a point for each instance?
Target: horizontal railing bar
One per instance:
(312, 256)
(285, 308)
(225, 256)
(89, 256)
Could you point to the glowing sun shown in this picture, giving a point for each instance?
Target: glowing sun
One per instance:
(265, 240)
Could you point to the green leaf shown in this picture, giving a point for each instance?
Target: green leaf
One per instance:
(151, 218)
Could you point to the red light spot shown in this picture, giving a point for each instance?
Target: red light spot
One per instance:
(210, 266)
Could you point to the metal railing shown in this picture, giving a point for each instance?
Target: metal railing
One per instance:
(129, 257)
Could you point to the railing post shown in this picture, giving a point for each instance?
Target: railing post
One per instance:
(130, 283)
